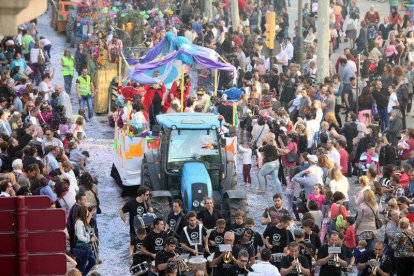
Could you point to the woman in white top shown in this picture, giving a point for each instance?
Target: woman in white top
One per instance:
(259, 131)
(37, 59)
(339, 183)
(83, 237)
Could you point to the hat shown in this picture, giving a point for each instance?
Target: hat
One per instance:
(200, 92)
(313, 158)
(120, 102)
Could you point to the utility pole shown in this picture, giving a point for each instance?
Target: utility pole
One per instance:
(235, 19)
(300, 34)
(208, 9)
(259, 14)
(323, 36)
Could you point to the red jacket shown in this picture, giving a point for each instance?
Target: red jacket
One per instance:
(175, 92)
(149, 94)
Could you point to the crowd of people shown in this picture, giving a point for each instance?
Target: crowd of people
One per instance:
(340, 152)
(41, 138)
(290, 126)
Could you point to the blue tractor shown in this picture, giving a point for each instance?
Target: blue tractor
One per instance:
(193, 161)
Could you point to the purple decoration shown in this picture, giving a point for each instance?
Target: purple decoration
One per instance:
(138, 73)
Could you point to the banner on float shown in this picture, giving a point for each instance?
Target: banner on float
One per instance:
(128, 152)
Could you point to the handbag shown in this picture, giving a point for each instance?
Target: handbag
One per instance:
(41, 57)
(254, 144)
(292, 157)
(378, 222)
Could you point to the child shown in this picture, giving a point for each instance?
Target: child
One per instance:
(65, 142)
(359, 250)
(312, 206)
(77, 130)
(238, 226)
(318, 195)
(325, 213)
(256, 239)
(247, 163)
(350, 240)
(216, 236)
(135, 248)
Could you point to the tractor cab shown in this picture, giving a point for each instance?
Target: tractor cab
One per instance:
(185, 158)
(191, 155)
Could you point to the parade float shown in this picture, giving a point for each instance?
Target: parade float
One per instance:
(172, 57)
(188, 156)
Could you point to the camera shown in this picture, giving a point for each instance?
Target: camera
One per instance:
(90, 208)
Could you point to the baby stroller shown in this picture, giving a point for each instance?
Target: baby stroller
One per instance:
(372, 31)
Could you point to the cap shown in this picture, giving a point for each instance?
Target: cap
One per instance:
(313, 158)
(120, 102)
(200, 92)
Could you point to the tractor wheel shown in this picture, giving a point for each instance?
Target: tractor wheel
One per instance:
(115, 175)
(145, 176)
(185, 201)
(234, 179)
(68, 35)
(111, 121)
(72, 39)
(232, 205)
(161, 206)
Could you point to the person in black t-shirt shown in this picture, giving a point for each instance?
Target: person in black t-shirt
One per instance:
(310, 236)
(278, 237)
(209, 216)
(238, 226)
(365, 267)
(256, 239)
(242, 267)
(135, 248)
(245, 244)
(306, 249)
(326, 260)
(136, 207)
(176, 220)
(220, 267)
(293, 262)
(155, 240)
(194, 237)
(166, 257)
(216, 236)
